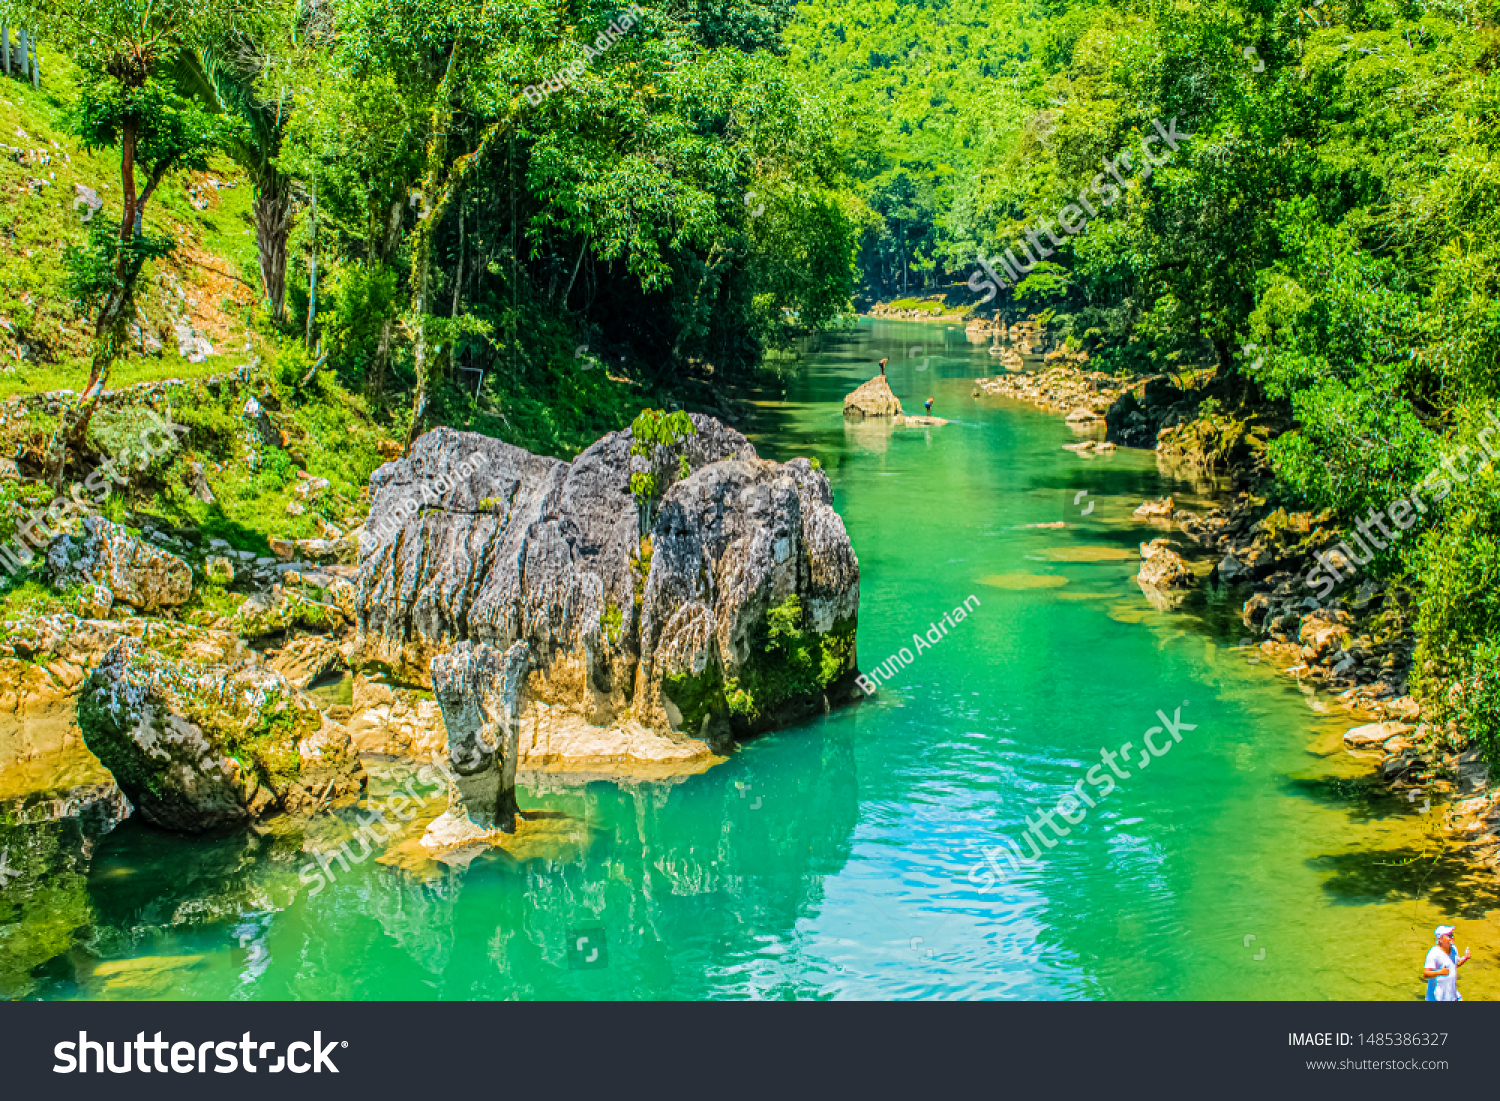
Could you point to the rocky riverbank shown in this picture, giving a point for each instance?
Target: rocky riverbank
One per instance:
(1062, 386)
(1354, 640)
(633, 634)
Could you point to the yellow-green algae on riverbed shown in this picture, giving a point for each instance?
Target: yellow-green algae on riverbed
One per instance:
(1255, 859)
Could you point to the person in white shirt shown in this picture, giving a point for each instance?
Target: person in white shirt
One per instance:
(1441, 968)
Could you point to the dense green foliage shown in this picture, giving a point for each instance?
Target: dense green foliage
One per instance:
(469, 238)
(489, 241)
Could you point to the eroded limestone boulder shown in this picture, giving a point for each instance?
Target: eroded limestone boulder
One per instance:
(479, 689)
(135, 572)
(873, 399)
(201, 747)
(470, 539)
(1155, 510)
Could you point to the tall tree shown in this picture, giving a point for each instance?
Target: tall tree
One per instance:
(126, 49)
(227, 74)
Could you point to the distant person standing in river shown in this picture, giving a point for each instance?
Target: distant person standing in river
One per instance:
(1441, 968)
(929, 407)
(883, 362)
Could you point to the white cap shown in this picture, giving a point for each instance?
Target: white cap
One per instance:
(1443, 929)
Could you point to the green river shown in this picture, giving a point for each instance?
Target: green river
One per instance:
(1253, 860)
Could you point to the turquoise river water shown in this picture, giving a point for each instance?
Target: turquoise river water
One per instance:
(1251, 860)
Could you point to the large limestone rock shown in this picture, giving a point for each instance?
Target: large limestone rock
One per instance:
(471, 539)
(201, 747)
(479, 690)
(134, 572)
(874, 399)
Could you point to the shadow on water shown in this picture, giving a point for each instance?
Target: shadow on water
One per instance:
(1443, 876)
(682, 887)
(1362, 798)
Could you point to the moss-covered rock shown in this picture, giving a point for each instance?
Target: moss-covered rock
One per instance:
(790, 671)
(279, 609)
(197, 748)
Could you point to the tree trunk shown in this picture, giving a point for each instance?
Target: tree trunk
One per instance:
(421, 281)
(72, 430)
(421, 258)
(576, 265)
(114, 314)
(273, 225)
(382, 358)
(441, 185)
(312, 275)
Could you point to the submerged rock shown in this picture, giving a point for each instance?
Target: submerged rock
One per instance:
(1163, 509)
(197, 747)
(47, 842)
(735, 612)
(479, 690)
(134, 572)
(873, 399)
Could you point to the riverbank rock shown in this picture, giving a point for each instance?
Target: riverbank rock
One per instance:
(479, 689)
(218, 569)
(1162, 567)
(902, 419)
(134, 572)
(395, 720)
(874, 399)
(1373, 734)
(471, 539)
(1090, 447)
(1061, 388)
(1155, 510)
(198, 748)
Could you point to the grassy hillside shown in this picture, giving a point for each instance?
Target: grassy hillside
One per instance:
(209, 282)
